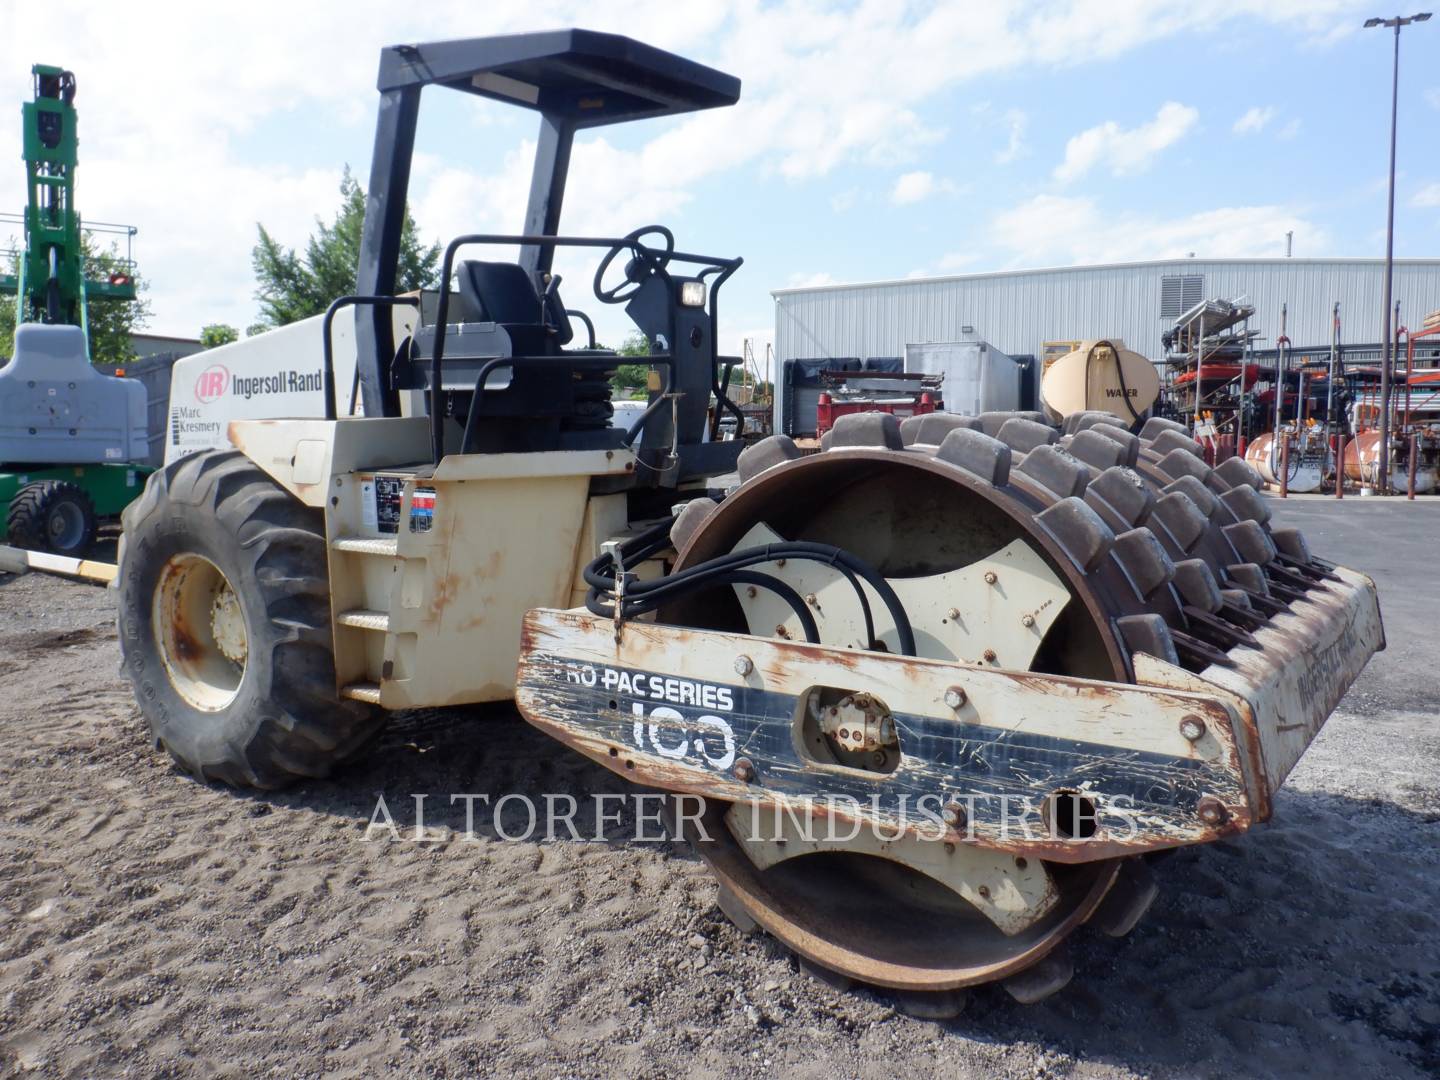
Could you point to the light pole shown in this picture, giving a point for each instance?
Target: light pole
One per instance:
(1383, 480)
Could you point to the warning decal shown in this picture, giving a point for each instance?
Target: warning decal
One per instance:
(422, 510)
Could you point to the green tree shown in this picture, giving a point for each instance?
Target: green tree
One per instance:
(7, 311)
(631, 377)
(217, 334)
(111, 322)
(291, 286)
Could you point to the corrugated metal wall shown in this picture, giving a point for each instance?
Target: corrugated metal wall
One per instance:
(1018, 311)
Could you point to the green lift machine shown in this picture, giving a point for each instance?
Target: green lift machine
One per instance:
(71, 436)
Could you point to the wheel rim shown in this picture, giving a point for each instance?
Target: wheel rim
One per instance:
(65, 527)
(854, 913)
(881, 924)
(200, 629)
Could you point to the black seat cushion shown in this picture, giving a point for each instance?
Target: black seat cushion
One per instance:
(505, 293)
(499, 292)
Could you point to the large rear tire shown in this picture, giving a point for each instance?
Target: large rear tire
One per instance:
(225, 627)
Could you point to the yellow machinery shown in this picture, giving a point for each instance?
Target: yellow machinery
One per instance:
(929, 699)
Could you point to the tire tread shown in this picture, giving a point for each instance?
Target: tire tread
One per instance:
(306, 730)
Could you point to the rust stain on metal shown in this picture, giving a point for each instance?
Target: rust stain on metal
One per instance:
(186, 647)
(490, 569)
(446, 590)
(1212, 811)
(652, 645)
(182, 636)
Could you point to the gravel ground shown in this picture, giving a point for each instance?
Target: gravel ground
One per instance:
(152, 926)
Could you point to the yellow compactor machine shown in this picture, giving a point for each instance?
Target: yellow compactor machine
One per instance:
(938, 691)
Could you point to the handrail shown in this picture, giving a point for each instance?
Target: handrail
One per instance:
(329, 345)
(575, 313)
(721, 390)
(650, 410)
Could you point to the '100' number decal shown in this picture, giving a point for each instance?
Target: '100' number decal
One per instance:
(664, 729)
(683, 744)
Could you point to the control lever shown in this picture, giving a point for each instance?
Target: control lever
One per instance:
(552, 286)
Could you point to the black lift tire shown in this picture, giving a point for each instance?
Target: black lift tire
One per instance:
(52, 515)
(225, 627)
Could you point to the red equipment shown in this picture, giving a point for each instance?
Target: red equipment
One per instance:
(829, 410)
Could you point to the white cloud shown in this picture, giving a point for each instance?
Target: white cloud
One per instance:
(1254, 120)
(1289, 131)
(913, 187)
(1121, 151)
(956, 261)
(1429, 195)
(810, 281)
(1432, 97)
(844, 200)
(1016, 120)
(1056, 230)
(188, 149)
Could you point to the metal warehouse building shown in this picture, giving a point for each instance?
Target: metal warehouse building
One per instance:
(1017, 311)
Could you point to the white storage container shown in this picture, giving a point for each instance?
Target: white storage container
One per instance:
(976, 376)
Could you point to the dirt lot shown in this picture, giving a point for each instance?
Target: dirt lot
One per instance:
(151, 926)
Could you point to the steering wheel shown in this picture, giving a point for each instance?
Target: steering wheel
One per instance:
(654, 260)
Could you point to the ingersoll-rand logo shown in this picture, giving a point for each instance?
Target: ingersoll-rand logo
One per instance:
(211, 383)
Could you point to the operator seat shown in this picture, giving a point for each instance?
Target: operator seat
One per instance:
(504, 293)
(532, 404)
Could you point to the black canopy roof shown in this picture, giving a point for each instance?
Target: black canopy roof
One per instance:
(586, 77)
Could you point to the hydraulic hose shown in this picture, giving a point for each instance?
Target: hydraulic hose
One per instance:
(599, 575)
(595, 602)
(1120, 373)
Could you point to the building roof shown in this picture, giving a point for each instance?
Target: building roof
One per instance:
(177, 339)
(1186, 261)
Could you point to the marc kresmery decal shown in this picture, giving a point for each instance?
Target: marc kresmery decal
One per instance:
(188, 424)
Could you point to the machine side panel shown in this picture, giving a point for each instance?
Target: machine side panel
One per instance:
(277, 374)
(492, 550)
